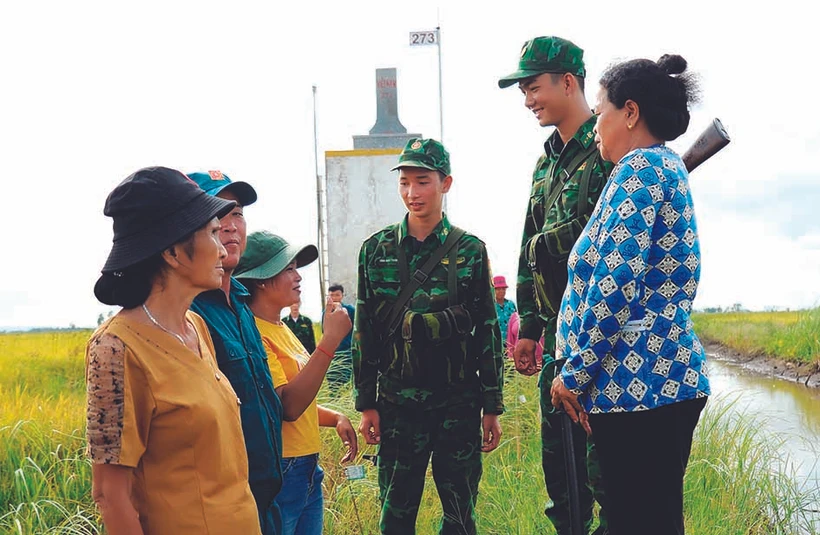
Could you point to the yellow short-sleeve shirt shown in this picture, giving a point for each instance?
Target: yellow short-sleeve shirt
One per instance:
(156, 406)
(286, 356)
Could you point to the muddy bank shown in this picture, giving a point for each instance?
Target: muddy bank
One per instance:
(807, 374)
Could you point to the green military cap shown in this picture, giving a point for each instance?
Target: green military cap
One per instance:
(547, 54)
(267, 255)
(425, 153)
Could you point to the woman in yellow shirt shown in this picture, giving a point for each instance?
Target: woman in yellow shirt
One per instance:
(268, 270)
(163, 426)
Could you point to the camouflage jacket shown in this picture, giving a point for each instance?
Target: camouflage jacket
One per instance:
(562, 226)
(468, 368)
(302, 327)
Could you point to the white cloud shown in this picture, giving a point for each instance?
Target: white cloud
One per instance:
(744, 262)
(94, 90)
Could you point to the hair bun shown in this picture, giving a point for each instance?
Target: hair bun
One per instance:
(672, 64)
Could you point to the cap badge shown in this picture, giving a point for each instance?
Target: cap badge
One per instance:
(416, 145)
(216, 175)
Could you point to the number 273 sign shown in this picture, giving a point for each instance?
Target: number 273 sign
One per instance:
(424, 38)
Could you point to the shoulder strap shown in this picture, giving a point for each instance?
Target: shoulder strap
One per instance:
(452, 278)
(569, 170)
(410, 285)
(583, 187)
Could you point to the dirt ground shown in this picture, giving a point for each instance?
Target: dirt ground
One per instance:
(807, 374)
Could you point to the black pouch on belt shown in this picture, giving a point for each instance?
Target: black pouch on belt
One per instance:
(437, 326)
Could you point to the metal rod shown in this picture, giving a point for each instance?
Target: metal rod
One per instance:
(319, 208)
(576, 523)
(440, 98)
(440, 89)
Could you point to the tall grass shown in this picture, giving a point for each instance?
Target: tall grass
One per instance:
(735, 483)
(511, 494)
(45, 479)
(793, 336)
(738, 482)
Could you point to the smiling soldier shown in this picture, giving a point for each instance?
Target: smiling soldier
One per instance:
(566, 184)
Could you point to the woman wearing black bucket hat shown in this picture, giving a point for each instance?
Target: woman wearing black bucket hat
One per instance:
(268, 268)
(163, 427)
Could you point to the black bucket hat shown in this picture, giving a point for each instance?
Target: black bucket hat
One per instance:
(153, 209)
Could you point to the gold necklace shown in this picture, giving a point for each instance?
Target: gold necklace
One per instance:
(155, 322)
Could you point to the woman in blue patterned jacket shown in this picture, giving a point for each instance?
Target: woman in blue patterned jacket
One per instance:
(635, 372)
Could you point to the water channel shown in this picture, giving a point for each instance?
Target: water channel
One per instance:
(789, 412)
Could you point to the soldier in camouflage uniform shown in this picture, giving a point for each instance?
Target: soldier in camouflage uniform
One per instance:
(302, 327)
(423, 380)
(566, 184)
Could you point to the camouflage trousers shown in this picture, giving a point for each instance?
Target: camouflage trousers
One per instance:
(552, 461)
(409, 437)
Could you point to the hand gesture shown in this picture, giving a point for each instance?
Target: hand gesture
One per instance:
(565, 400)
(524, 357)
(336, 325)
(492, 432)
(369, 426)
(345, 431)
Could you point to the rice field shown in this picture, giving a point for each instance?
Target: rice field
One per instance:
(793, 336)
(45, 485)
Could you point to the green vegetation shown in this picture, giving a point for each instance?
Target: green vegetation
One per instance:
(793, 336)
(45, 479)
(739, 482)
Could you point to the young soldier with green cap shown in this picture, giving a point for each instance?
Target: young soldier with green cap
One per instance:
(427, 355)
(566, 184)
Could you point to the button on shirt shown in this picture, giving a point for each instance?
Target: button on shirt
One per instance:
(242, 358)
(625, 324)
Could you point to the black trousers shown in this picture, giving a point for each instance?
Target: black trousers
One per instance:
(643, 457)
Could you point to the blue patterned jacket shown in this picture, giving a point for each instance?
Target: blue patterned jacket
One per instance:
(625, 326)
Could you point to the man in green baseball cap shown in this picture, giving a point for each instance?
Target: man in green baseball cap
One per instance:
(425, 154)
(547, 54)
(566, 184)
(427, 358)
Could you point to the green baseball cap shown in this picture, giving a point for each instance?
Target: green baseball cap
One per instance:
(547, 54)
(425, 153)
(268, 254)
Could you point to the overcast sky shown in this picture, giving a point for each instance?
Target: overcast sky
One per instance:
(92, 91)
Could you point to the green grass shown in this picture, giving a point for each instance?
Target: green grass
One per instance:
(45, 479)
(739, 482)
(793, 336)
(511, 494)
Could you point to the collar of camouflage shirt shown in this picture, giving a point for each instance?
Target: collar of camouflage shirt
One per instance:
(440, 231)
(584, 136)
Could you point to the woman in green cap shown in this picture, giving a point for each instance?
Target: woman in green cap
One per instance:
(268, 269)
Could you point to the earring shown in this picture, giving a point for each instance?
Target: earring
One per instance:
(629, 126)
